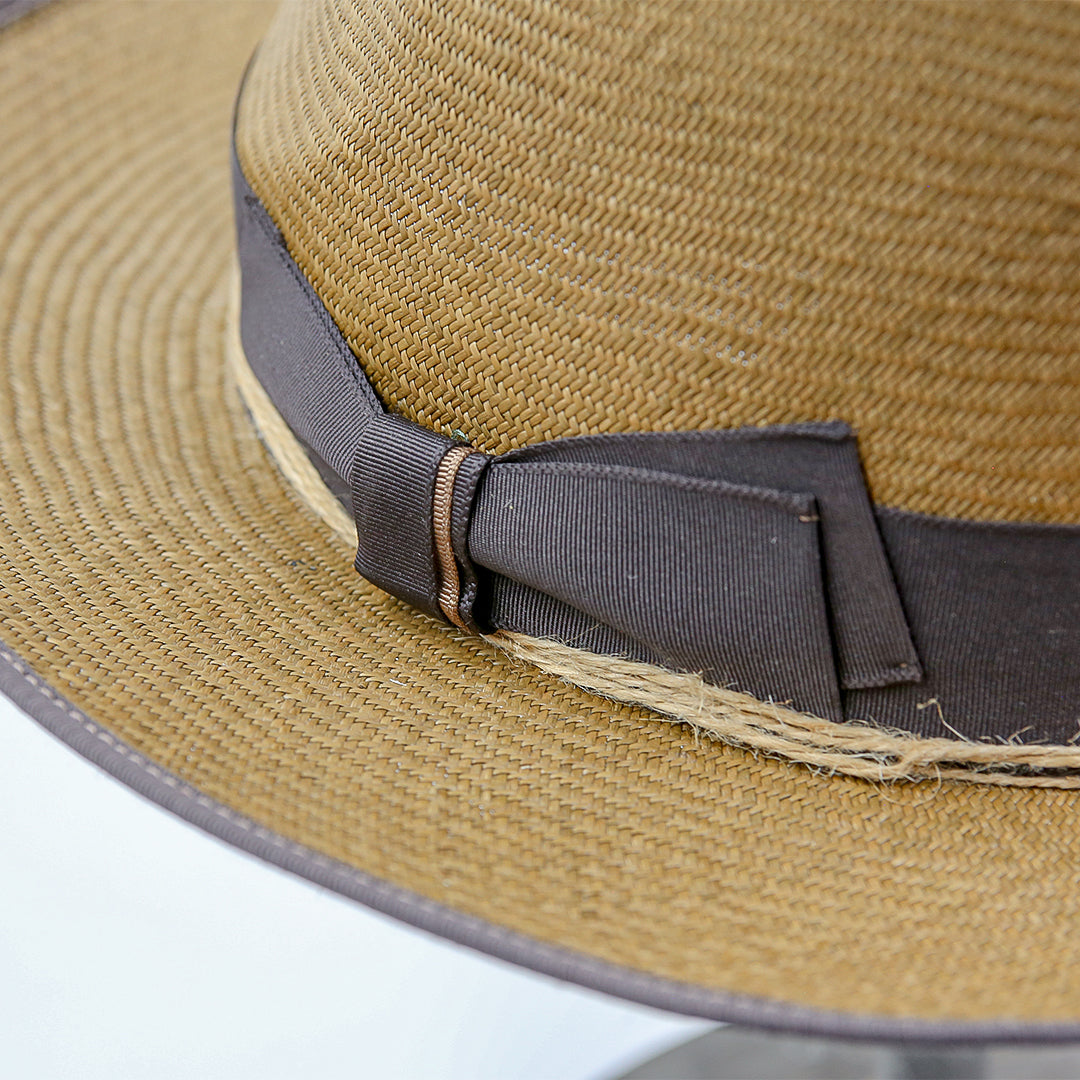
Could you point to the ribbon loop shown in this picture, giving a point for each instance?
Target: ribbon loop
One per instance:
(873, 643)
(693, 575)
(750, 555)
(393, 479)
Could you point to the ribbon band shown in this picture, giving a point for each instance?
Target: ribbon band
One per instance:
(753, 556)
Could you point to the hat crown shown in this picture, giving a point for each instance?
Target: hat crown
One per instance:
(532, 222)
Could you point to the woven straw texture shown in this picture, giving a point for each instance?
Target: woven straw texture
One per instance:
(157, 571)
(539, 220)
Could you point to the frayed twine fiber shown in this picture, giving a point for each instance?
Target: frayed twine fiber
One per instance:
(853, 748)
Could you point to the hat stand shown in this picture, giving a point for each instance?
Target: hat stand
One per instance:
(732, 1052)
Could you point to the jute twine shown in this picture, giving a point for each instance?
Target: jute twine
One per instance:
(857, 749)
(157, 573)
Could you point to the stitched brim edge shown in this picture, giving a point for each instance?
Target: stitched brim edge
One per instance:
(73, 727)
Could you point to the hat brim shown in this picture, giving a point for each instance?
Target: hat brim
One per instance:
(172, 610)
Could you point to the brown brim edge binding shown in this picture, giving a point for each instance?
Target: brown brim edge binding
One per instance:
(73, 727)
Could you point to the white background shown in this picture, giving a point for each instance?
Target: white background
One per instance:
(132, 945)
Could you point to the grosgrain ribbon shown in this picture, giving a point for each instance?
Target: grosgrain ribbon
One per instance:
(747, 555)
(594, 552)
(750, 555)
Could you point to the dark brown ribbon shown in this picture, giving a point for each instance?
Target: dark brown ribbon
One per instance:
(752, 556)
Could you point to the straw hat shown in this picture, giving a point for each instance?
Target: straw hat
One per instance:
(775, 724)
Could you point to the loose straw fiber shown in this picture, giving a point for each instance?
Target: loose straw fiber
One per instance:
(157, 571)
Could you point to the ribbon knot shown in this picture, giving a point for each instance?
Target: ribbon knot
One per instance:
(749, 555)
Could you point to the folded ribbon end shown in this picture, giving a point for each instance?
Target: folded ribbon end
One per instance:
(404, 482)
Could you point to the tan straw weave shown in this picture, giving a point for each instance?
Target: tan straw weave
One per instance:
(158, 573)
(536, 220)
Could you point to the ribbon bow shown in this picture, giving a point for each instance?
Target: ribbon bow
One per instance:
(750, 555)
